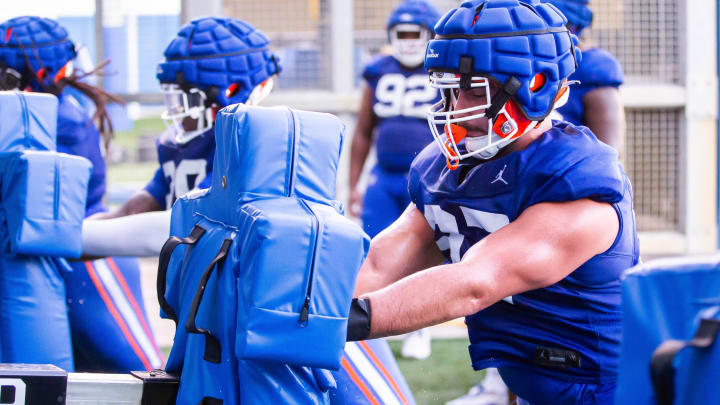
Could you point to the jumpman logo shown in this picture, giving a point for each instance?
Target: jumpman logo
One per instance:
(499, 176)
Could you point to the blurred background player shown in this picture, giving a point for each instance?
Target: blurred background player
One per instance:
(205, 69)
(109, 326)
(593, 102)
(392, 114)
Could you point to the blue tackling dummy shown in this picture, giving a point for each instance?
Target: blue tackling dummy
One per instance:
(401, 94)
(273, 314)
(110, 331)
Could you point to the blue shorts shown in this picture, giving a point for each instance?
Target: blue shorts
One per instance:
(386, 197)
(536, 389)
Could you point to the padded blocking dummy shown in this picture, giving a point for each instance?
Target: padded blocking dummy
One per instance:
(670, 351)
(264, 263)
(34, 327)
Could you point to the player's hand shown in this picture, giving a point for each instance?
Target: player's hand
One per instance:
(355, 203)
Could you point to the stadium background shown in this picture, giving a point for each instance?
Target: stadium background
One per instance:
(668, 50)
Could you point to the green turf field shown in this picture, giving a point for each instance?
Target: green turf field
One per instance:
(444, 376)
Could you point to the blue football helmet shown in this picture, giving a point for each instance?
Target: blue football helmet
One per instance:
(35, 52)
(577, 12)
(211, 63)
(523, 48)
(410, 27)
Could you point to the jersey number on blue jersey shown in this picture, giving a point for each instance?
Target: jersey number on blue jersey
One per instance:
(183, 178)
(447, 223)
(399, 95)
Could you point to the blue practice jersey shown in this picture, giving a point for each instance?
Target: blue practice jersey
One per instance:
(581, 313)
(598, 68)
(401, 99)
(183, 167)
(77, 135)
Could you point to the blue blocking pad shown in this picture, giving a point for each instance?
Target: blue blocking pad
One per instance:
(43, 202)
(27, 121)
(663, 300)
(261, 268)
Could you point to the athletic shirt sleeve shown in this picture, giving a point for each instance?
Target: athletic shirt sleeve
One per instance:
(571, 168)
(158, 187)
(599, 68)
(372, 71)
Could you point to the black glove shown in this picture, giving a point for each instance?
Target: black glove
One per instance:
(359, 320)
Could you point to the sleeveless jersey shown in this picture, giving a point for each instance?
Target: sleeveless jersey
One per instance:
(598, 68)
(77, 135)
(183, 167)
(581, 313)
(401, 98)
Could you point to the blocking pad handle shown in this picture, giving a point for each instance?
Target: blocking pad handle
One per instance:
(164, 260)
(662, 372)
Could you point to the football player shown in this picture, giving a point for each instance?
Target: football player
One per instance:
(393, 106)
(109, 326)
(534, 216)
(595, 100)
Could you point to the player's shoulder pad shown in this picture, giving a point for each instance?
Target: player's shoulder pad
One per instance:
(599, 68)
(569, 163)
(377, 67)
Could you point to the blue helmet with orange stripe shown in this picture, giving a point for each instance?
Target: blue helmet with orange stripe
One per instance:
(211, 63)
(35, 52)
(522, 49)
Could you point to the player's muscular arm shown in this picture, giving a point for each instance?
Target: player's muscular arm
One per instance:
(541, 247)
(362, 139)
(403, 248)
(605, 116)
(140, 202)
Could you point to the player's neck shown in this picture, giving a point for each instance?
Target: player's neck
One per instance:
(530, 137)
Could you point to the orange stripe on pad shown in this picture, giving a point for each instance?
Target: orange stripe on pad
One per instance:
(380, 366)
(118, 319)
(134, 303)
(359, 382)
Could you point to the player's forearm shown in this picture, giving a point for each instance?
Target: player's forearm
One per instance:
(140, 202)
(427, 298)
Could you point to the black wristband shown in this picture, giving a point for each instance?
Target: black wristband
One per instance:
(359, 320)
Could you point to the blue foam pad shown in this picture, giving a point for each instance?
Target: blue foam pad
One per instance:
(43, 201)
(272, 199)
(662, 300)
(27, 121)
(276, 152)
